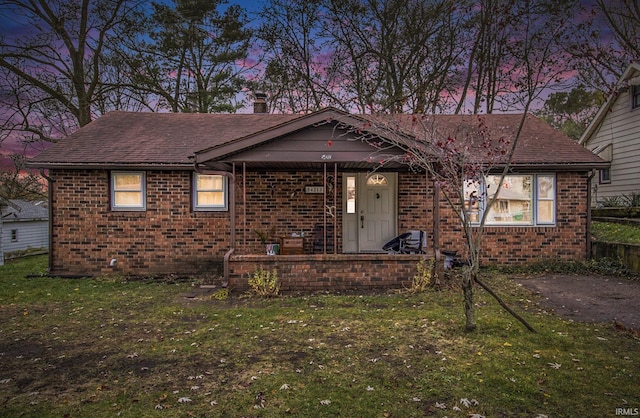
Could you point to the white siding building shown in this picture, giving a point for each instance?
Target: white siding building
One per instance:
(614, 135)
(25, 226)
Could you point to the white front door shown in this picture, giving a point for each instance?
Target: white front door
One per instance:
(372, 222)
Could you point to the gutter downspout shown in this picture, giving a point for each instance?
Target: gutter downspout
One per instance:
(335, 205)
(50, 182)
(232, 215)
(588, 229)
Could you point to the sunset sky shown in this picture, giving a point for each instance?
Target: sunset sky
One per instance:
(11, 25)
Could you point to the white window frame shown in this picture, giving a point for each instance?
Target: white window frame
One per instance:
(537, 199)
(210, 208)
(476, 211)
(142, 190)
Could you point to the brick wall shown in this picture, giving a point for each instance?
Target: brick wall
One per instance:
(415, 204)
(513, 245)
(322, 272)
(276, 202)
(169, 237)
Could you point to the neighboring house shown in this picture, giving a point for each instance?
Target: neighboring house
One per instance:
(614, 135)
(25, 226)
(156, 194)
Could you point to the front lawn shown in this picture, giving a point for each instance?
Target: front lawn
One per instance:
(106, 347)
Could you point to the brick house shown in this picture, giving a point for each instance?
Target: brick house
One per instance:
(154, 194)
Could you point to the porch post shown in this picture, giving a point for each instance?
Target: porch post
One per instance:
(335, 208)
(324, 209)
(589, 248)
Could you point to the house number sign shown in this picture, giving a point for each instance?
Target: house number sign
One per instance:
(314, 189)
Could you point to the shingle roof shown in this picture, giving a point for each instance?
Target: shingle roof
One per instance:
(538, 144)
(27, 211)
(155, 139)
(121, 139)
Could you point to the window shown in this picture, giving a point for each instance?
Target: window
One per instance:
(209, 192)
(527, 199)
(546, 196)
(351, 194)
(635, 97)
(14, 235)
(377, 180)
(128, 191)
(604, 176)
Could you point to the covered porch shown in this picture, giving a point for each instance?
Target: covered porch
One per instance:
(316, 241)
(313, 202)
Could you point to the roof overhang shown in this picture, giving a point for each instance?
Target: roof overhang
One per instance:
(524, 167)
(110, 166)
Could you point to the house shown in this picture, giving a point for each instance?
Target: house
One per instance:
(25, 226)
(151, 193)
(614, 135)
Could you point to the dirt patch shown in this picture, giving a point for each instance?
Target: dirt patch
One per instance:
(589, 298)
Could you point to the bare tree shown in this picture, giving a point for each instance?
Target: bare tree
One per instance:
(396, 55)
(298, 73)
(18, 183)
(499, 33)
(404, 56)
(605, 40)
(187, 54)
(458, 159)
(55, 64)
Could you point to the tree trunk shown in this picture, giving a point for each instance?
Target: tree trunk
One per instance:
(469, 308)
(504, 305)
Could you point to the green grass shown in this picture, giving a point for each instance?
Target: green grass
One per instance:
(101, 347)
(616, 232)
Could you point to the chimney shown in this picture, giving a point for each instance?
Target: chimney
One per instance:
(260, 104)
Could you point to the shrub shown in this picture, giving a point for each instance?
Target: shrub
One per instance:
(265, 283)
(604, 266)
(632, 200)
(422, 280)
(611, 202)
(221, 294)
(609, 267)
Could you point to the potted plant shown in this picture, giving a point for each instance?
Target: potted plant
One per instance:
(267, 238)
